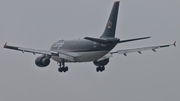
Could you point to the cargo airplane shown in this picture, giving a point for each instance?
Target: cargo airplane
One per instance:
(88, 49)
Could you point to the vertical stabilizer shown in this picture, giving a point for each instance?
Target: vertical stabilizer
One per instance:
(111, 24)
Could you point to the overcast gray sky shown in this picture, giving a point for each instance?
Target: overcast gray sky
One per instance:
(38, 23)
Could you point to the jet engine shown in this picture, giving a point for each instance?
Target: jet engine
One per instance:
(42, 61)
(101, 63)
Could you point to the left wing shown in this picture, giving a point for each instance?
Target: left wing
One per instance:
(139, 50)
(36, 51)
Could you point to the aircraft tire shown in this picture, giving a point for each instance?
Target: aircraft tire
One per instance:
(66, 68)
(102, 68)
(60, 69)
(97, 69)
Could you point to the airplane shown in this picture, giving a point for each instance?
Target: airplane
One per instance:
(89, 49)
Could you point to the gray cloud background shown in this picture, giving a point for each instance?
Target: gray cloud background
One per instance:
(39, 23)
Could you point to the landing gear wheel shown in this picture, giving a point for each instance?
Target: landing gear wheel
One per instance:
(66, 68)
(63, 69)
(60, 69)
(100, 68)
(97, 69)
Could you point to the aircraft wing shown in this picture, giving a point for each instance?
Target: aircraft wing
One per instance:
(36, 51)
(153, 48)
(139, 50)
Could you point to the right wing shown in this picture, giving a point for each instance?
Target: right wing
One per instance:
(139, 50)
(153, 48)
(36, 51)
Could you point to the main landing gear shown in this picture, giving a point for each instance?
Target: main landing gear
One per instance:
(62, 67)
(101, 64)
(100, 68)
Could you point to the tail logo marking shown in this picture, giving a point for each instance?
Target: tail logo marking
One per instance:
(109, 25)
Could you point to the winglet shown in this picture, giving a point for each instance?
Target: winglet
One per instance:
(5, 45)
(174, 44)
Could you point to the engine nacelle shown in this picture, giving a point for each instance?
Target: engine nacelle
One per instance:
(42, 61)
(101, 63)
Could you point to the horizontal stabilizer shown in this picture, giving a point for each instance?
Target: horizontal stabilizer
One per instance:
(99, 40)
(135, 39)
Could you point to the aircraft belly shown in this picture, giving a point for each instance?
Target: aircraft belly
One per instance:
(90, 56)
(84, 56)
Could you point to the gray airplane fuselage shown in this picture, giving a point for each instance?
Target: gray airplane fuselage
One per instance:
(83, 50)
(90, 49)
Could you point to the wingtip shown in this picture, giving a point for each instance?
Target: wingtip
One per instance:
(5, 45)
(174, 43)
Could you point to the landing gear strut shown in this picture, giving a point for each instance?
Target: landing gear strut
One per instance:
(62, 67)
(100, 68)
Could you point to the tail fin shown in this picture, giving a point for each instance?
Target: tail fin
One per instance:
(111, 24)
